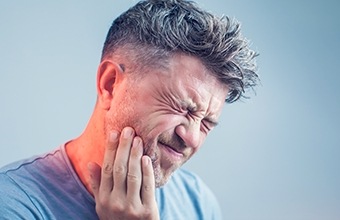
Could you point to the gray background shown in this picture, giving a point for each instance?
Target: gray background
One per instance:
(275, 156)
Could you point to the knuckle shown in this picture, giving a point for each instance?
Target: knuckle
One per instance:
(102, 203)
(133, 212)
(147, 188)
(146, 213)
(113, 207)
(120, 169)
(132, 177)
(107, 168)
(118, 208)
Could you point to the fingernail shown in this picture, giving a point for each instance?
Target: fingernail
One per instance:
(127, 132)
(136, 142)
(146, 160)
(113, 136)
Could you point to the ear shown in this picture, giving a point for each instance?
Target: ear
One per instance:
(107, 75)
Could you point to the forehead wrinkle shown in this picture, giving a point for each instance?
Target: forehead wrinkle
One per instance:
(194, 98)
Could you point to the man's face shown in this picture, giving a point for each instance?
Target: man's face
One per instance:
(172, 110)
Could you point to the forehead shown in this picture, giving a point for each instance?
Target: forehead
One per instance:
(186, 79)
(184, 68)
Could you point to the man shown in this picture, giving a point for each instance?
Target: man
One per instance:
(167, 68)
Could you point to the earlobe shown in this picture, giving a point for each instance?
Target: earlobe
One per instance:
(107, 74)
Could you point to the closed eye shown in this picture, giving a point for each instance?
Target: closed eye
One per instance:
(209, 124)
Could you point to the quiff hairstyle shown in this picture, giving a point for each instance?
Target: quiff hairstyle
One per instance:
(152, 31)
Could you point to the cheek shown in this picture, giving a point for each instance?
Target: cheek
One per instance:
(154, 125)
(119, 116)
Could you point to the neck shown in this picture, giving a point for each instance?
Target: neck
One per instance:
(88, 147)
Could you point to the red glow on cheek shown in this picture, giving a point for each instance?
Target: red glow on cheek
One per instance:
(144, 99)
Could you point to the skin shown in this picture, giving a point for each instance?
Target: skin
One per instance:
(130, 178)
(168, 111)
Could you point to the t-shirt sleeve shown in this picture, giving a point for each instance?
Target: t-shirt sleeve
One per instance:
(14, 202)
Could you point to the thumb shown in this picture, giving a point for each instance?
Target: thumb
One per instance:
(95, 176)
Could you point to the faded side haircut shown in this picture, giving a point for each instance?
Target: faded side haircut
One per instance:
(154, 30)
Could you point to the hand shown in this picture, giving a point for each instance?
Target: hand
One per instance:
(124, 188)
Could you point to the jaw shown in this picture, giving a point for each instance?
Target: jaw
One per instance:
(163, 173)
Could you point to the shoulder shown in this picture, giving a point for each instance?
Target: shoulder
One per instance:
(44, 187)
(19, 185)
(187, 189)
(14, 202)
(22, 183)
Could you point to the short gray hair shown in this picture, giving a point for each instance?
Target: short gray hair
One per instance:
(157, 29)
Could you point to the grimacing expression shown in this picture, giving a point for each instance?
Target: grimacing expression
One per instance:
(172, 111)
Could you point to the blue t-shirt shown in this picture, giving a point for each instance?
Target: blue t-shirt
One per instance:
(47, 187)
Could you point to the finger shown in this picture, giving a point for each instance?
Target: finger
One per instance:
(148, 182)
(121, 161)
(134, 176)
(95, 175)
(106, 183)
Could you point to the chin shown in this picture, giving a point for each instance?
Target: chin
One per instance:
(161, 176)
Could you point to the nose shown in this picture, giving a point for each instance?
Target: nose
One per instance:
(190, 133)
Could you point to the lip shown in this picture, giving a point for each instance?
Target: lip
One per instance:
(171, 153)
